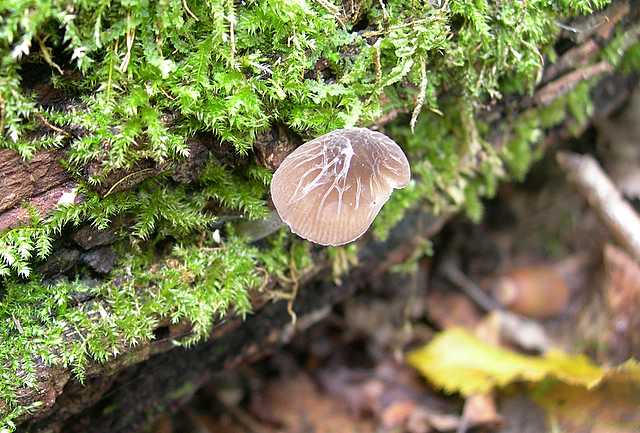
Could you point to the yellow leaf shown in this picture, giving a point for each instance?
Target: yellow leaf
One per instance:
(460, 362)
(582, 398)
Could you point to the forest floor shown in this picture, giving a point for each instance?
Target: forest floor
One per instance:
(484, 335)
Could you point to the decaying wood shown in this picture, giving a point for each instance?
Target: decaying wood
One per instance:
(22, 180)
(599, 24)
(43, 203)
(576, 56)
(589, 45)
(42, 184)
(39, 183)
(618, 215)
(145, 380)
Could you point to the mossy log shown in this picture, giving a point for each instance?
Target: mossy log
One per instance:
(124, 394)
(139, 371)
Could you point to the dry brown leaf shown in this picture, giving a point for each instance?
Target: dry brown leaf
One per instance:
(299, 406)
(450, 309)
(537, 291)
(622, 295)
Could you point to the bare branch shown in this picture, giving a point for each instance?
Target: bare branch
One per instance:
(606, 200)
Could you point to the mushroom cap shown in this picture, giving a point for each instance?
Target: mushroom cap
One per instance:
(330, 189)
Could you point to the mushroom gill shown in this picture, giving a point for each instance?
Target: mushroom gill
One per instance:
(330, 189)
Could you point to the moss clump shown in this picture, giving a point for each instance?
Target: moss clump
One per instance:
(198, 283)
(158, 207)
(154, 74)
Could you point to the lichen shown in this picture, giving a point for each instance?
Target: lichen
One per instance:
(142, 78)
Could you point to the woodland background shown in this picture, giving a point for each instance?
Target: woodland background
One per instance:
(140, 260)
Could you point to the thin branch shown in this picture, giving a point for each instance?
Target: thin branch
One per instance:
(50, 126)
(594, 184)
(46, 55)
(130, 175)
(457, 277)
(563, 85)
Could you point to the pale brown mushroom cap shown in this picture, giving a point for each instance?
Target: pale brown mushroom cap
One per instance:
(330, 189)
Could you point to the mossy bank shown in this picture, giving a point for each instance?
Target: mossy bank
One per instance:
(137, 81)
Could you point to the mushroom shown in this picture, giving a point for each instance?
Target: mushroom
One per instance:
(330, 189)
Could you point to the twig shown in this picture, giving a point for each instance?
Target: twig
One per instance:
(576, 56)
(617, 214)
(612, 16)
(130, 175)
(567, 28)
(457, 277)
(563, 85)
(46, 54)
(524, 332)
(50, 126)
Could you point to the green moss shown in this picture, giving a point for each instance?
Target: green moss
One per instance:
(198, 283)
(235, 71)
(154, 74)
(147, 76)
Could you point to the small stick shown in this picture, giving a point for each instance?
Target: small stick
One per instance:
(46, 54)
(524, 332)
(457, 277)
(594, 184)
(563, 85)
(130, 175)
(50, 126)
